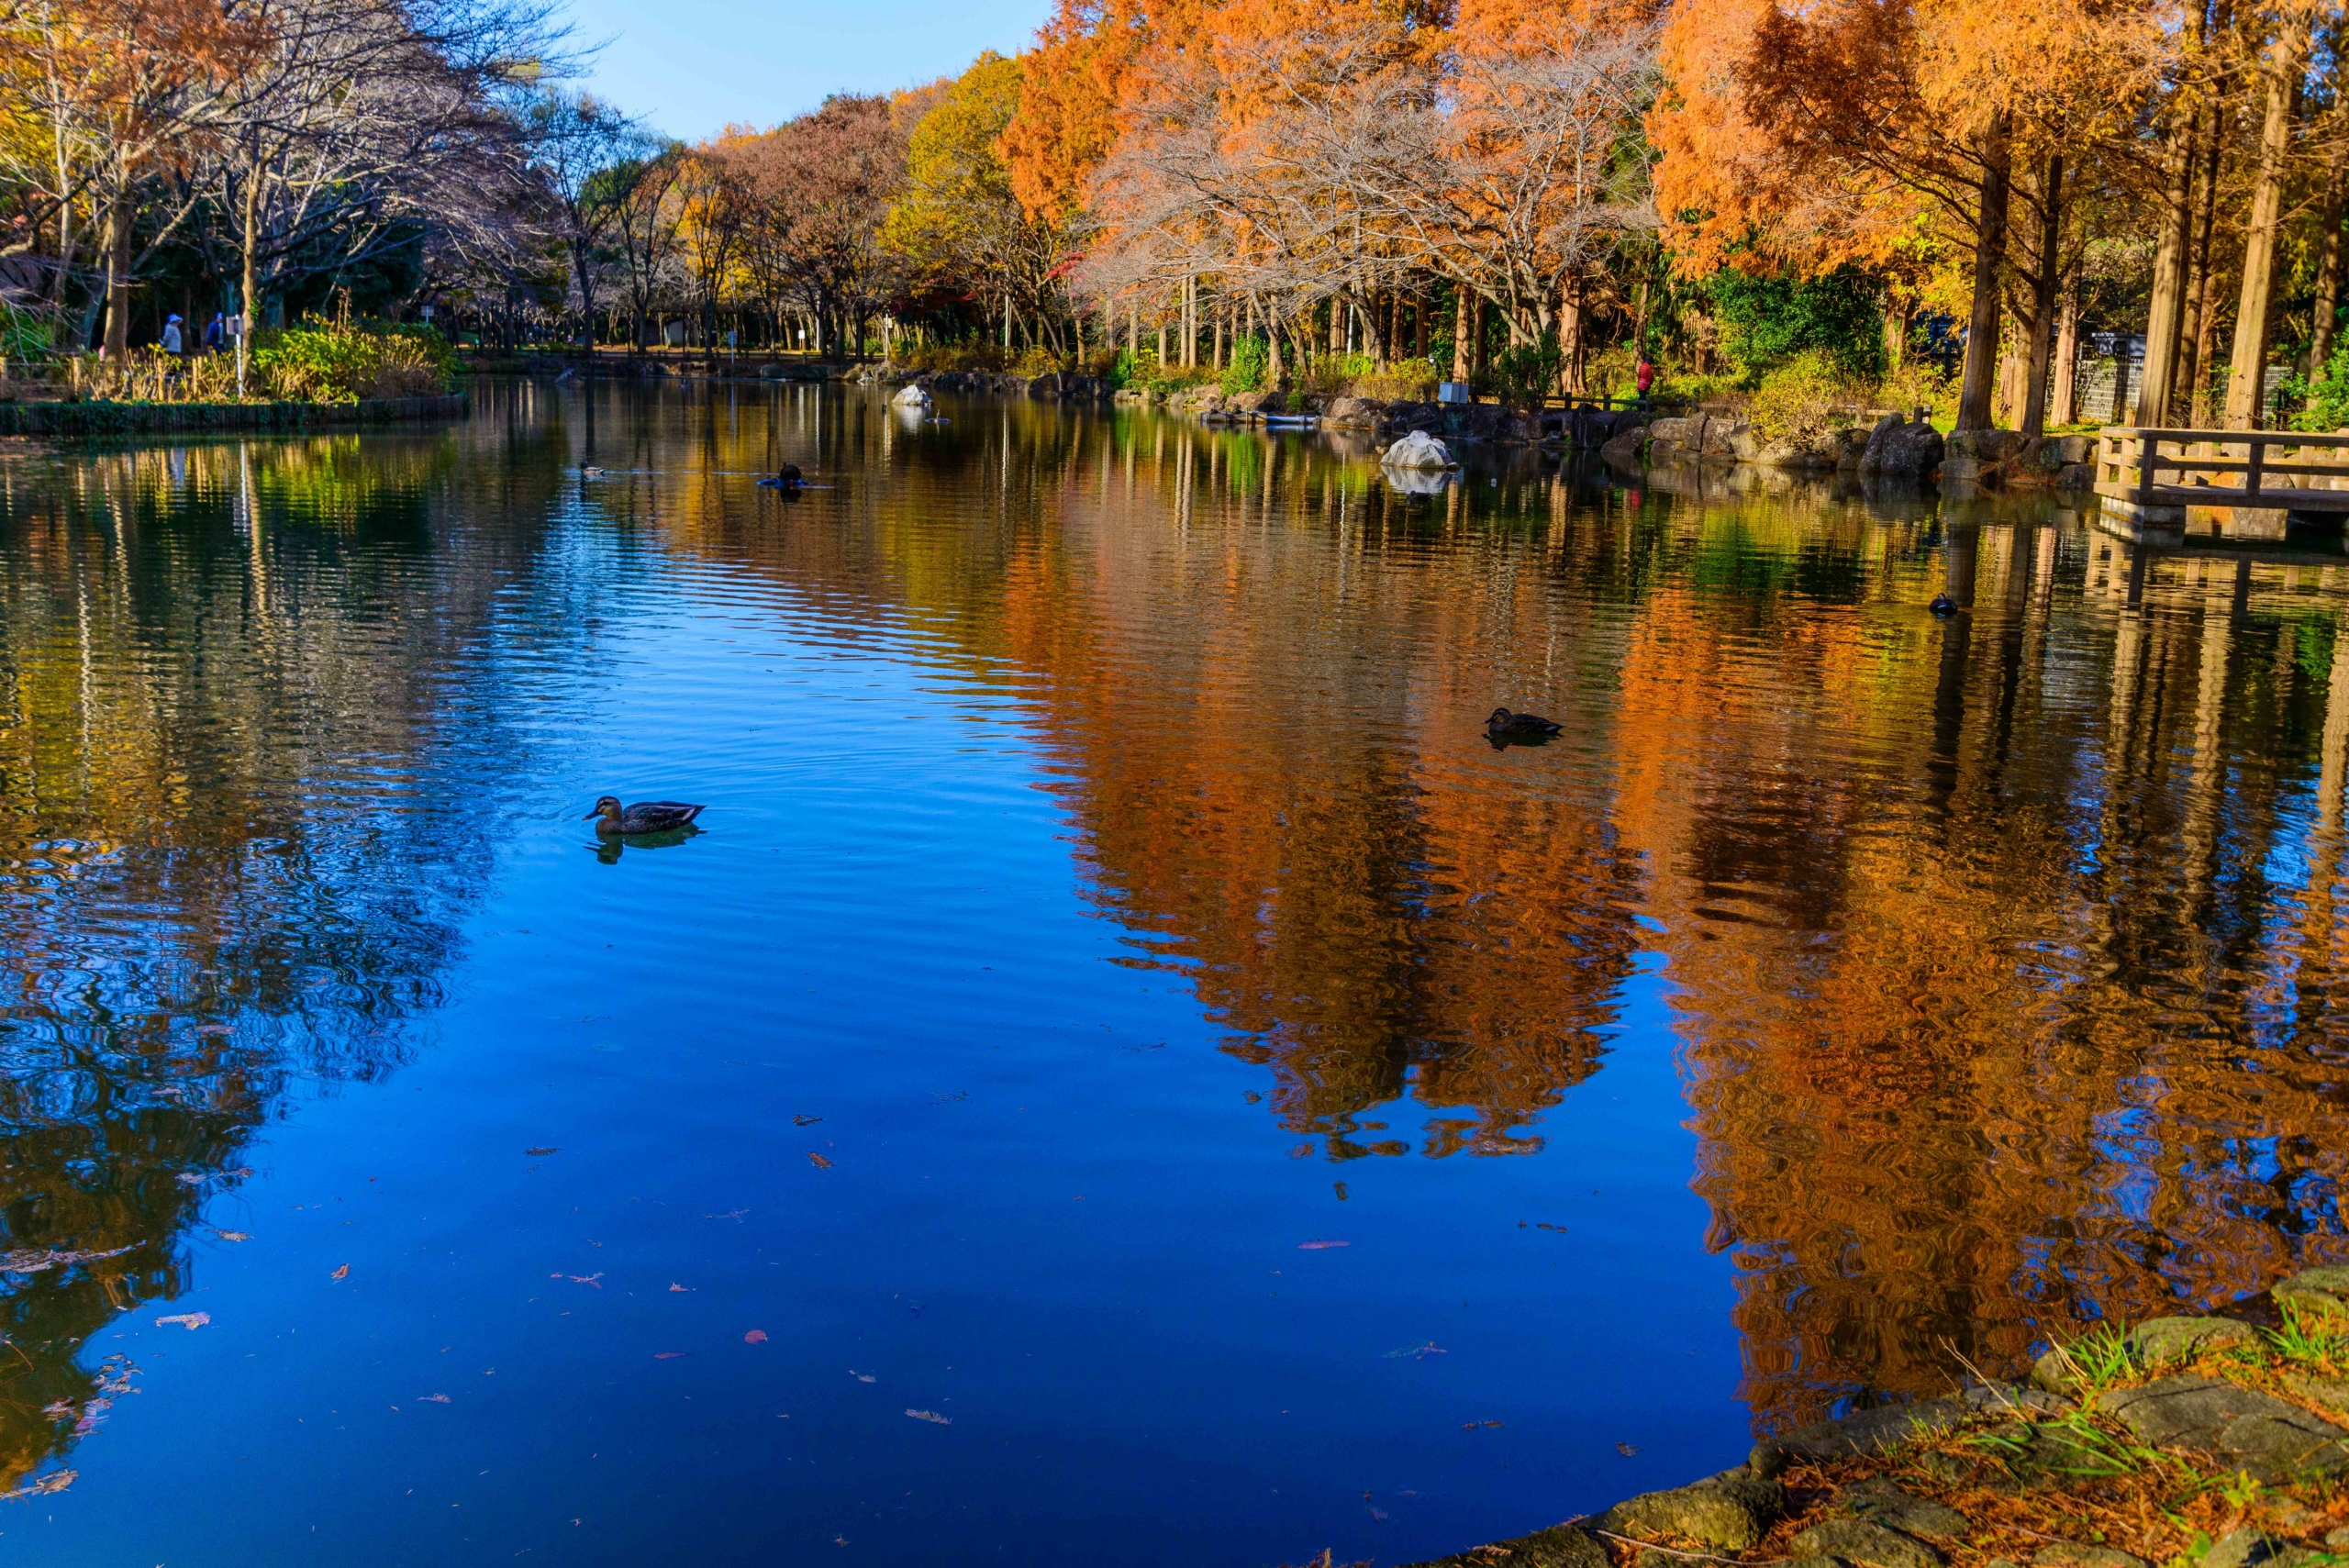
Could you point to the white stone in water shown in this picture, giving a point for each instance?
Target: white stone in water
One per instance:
(1418, 449)
(912, 398)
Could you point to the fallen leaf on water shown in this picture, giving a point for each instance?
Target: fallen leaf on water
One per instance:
(33, 1260)
(666, 1355)
(214, 1028)
(932, 1416)
(1300, 1151)
(1471, 1426)
(189, 1178)
(434, 1398)
(1317, 1246)
(755, 1337)
(684, 1289)
(193, 1320)
(1417, 1352)
(1627, 1450)
(55, 1481)
(534, 1153)
(860, 1377)
(232, 1236)
(581, 1279)
(342, 1272)
(1378, 1514)
(805, 1120)
(821, 1164)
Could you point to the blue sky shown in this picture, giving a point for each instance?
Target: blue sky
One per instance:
(692, 66)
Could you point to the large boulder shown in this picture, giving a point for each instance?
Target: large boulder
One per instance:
(914, 396)
(1622, 448)
(1417, 451)
(1353, 413)
(1730, 1511)
(1898, 446)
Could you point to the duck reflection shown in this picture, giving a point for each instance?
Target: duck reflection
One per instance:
(609, 850)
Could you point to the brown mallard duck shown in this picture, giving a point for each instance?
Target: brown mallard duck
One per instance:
(1506, 726)
(613, 820)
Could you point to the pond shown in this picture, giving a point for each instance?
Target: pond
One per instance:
(1127, 1072)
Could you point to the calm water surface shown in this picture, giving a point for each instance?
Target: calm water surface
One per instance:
(1128, 1073)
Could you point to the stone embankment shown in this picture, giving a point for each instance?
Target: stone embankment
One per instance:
(2191, 1442)
(103, 418)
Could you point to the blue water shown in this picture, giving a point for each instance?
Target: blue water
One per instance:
(938, 1143)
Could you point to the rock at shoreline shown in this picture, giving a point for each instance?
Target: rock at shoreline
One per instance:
(1560, 1546)
(2276, 1442)
(1418, 449)
(2317, 1290)
(1857, 1540)
(2163, 1341)
(1353, 413)
(1889, 1426)
(1730, 1511)
(1880, 1502)
(912, 396)
(2076, 1554)
(1897, 447)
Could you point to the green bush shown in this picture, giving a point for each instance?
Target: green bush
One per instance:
(1765, 321)
(1244, 368)
(2324, 401)
(1796, 402)
(344, 363)
(1524, 375)
(23, 334)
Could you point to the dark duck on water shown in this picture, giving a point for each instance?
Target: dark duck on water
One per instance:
(613, 820)
(1506, 726)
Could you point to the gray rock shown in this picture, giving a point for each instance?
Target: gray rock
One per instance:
(1851, 447)
(1417, 451)
(1898, 447)
(2274, 1441)
(1622, 449)
(1880, 1502)
(2077, 1554)
(1889, 1426)
(1857, 1540)
(2328, 1393)
(1353, 413)
(2245, 1548)
(2323, 1289)
(2164, 1341)
(1560, 1546)
(2075, 475)
(2338, 1541)
(1730, 1511)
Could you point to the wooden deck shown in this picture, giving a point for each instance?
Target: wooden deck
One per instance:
(2149, 480)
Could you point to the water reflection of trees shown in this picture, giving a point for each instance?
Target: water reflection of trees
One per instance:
(2004, 951)
(238, 683)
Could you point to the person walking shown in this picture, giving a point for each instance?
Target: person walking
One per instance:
(172, 341)
(1644, 377)
(213, 332)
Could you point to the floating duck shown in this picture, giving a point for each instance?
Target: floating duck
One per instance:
(589, 470)
(787, 477)
(613, 821)
(1944, 605)
(1506, 726)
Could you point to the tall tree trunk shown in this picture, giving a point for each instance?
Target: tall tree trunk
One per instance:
(1371, 344)
(1420, 312)
(2247, 371)
(2043, 297)
(2166, 319)
(2063, 397)
(1990, 247)
(120, 214)
(1570, 337)
(1462, 329)
(2328, 268)
(2190, 394)
(1338, 323)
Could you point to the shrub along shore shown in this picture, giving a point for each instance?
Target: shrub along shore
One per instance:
(102, 417)
(2184, 1442)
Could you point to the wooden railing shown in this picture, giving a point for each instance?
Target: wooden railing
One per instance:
(2152, 470)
